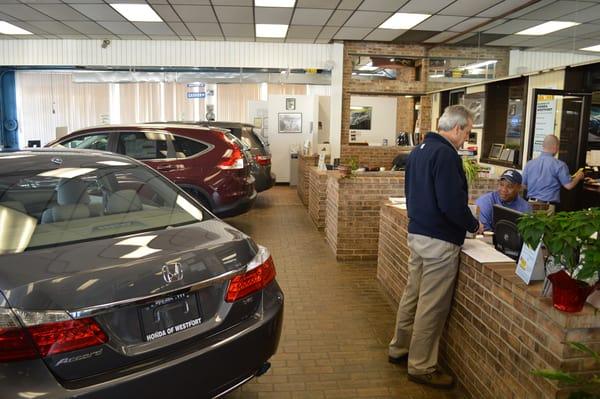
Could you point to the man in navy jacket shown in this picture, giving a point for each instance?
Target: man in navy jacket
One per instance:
(439, 217)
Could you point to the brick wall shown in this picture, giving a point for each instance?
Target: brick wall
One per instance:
(353, 205)
(370, 156)
(317, 196)
(498, 329)
(405, 115)
(304, 163)
(481, 186)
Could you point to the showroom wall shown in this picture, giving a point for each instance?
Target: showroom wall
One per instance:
(383, 120)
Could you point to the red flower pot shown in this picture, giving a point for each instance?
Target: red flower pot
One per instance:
(568, 294)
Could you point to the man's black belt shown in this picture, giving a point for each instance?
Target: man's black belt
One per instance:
(544, 202)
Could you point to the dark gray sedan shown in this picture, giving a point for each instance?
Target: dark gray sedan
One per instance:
(114, 283)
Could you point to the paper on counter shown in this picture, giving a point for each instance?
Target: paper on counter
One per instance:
(399, 206)
(397, 200)
(484, 253)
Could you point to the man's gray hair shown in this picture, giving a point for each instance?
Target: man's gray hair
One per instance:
(455, 115)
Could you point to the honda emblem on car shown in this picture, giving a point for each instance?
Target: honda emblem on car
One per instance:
(172, 272)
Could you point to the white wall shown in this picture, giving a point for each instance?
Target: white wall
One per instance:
(280, 143)
(383, 119)
(324, 118)
(529, 61)
(337, 78)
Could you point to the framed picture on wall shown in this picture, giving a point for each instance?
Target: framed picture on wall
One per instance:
(496, 151)
(258, 122)
(475, 102)
(360, 118)
(290, 122)
(290, 104)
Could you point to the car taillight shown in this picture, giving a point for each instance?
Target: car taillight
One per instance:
(259, 273)
(264, 160)
(232, 159)
(45, 334)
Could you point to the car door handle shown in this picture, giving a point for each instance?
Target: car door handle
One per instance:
(165, 167)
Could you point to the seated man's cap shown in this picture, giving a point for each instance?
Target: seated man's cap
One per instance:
(512, 176)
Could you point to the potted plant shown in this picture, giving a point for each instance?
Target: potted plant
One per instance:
(471, 170)
(571, 242)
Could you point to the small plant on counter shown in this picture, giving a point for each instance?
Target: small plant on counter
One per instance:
(471, 170)
(589, 388)
(353, 163)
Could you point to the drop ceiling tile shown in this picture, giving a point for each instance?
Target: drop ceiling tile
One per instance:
(322, 41)
(166, 13)
(469, 24)
(190, 2)
(248, 3)
(311, 16)
(557, 9)
(9, 2)
(269, 40)
(349, 4)
(440, 37)
(439, 23)
(468, 8)
(415, 36)
(236, 15)
(425, 6)
(203, 29)
(128, 1)
(155, 28)
(339, 18)
(367, 19)
(23, 12)
(272, 15)
(31, 2)
(302, 32)
(382, 5)
(297, 40)
(590, 14)
(54, 27)
(510, 40)
(347, 33)
(327, 33)
(385, 35)
(120, 28)
(477, 39)
(76, 37)
(60, 12)
(239, 39)
(576, 31)
(527, 10)
(133, 37)
(102, 37)
(5, 17)
(329, 4)
(82, 1)
(464, 37)
(513, 26)
(501, 8)
(98, 12)
(491, 25)
(179, 28)
(189, 38)
(574, 45)
(164, 37)
(153, 2)
(195, 13)
(540, 41)
(238, 30)
(87, 27)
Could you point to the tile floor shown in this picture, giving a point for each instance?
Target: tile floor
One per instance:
(337, 321)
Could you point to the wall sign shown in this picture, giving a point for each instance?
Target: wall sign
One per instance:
(545, 112)
(530, 266)
(194, 94)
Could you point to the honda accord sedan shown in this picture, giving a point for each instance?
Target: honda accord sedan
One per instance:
(115, 283)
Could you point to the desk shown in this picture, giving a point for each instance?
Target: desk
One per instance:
(499, 329)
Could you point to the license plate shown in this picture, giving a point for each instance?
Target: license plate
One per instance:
(169, 316)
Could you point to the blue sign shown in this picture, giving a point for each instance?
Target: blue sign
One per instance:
(198, 84)
(196, 94)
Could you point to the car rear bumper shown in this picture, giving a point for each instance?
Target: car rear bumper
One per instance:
(264, 181)
(236, 207)
(230, 359)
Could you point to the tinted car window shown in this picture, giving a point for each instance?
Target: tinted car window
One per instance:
(97, 141)
(143, 145)
(251, 138)
(86, 203)
(185, 148)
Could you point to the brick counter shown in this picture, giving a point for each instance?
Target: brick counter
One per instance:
(352, 214)
(499, 329)
(317, 195)
(372, 156)
(304, 163)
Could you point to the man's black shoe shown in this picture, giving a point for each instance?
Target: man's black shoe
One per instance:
(398, 360)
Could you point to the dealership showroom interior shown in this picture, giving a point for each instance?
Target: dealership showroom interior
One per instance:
(298, 199)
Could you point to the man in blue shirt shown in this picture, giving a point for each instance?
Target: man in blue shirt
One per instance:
(507, 196)
(544, 175)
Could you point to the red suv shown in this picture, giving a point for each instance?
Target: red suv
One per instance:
(203, 161)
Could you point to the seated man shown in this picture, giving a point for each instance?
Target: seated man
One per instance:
(507, 195)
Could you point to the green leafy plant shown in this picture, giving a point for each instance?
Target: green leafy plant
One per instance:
(569, 237)
(471, 170)
(588, 388)
(353, 163)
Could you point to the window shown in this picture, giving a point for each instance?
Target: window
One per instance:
(143, 145)
(89, 142)
(185, 148)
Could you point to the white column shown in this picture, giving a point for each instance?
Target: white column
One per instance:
(337, 77)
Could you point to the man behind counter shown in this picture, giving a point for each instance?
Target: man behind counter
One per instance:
(507, 195)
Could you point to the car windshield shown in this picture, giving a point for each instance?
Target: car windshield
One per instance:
(40, 208)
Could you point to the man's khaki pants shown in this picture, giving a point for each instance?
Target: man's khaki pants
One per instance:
(424, 307)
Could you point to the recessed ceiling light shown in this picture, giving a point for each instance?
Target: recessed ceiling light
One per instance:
(547, 27)
(592, 48)
(271, 30)
(10, 29)
(402, 20)
(274, 3)
(137, 12)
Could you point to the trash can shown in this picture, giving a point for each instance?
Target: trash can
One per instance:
(293, 169)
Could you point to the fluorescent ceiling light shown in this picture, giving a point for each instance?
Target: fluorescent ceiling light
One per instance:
(274, 3)
(137, 12)
(438, 75)
(10, 29)
(402, 20)
(592, 48)
(547, 27)
(271, 30)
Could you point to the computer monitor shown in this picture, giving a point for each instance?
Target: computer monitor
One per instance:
(506, 235)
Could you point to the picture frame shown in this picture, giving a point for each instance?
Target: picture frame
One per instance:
(360, 118)
(289, 122)
(258, 122)
(505, 154)
(475, 102)
(290, 104)
(496, 151)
